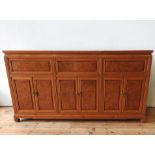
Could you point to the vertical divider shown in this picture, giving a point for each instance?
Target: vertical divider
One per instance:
(98, 92)
(101, 76)
(55, 84)
(123, 89)
(78, 97)
(34, 89)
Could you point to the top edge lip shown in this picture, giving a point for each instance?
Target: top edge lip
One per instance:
(76, 51)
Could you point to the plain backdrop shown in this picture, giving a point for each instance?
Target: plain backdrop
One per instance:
(75, 35)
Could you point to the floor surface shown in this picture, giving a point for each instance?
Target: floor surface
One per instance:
(50, 127)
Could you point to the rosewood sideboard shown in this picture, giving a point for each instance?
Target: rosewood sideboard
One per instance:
(79, 84)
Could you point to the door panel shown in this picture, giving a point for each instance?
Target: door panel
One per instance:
(44, 95)
(88, 95)
(111, 94)
(67, 95)
(123, 65)
(77, 65)
(133, 94)
(30, 65)
(23, 94)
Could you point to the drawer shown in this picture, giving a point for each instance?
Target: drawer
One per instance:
(124, 65)
(23, 65)
(77, 65)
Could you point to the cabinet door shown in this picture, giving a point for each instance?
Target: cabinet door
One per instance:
(44, 94)
(67, 94)
(23, 90)
(133, 94)
(88, 94)
(111, 97)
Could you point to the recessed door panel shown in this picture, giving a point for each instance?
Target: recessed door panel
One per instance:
(23, 94)
(30, 65)
(88, 95)
(70, 65)
(44, 95)
(111, 100)
(133, 94)
(67, 95)
(124, 65)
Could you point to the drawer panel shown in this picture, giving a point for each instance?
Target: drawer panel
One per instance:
(30, 65)
(77, 66)
(124, 66)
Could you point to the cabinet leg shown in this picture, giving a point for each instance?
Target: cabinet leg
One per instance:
(16, 119)
(143, 120)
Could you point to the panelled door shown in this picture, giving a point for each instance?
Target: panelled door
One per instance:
(44, 94)
(23, 94)
(122, 94)
(88, 94)
(78, 94)
(67, 94)
(111, 94)
(133, 94)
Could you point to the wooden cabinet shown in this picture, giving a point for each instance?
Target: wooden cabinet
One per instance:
(79, 85)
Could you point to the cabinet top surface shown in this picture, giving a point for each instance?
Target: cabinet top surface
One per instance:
(13, 52)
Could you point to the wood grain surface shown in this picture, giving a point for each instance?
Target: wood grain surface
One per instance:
(79, 84)
(74, 127)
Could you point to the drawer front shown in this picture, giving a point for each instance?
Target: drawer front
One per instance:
(30, 65)
(77, 65)
(128, 65)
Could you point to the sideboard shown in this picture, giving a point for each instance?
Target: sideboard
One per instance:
(79, 84)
